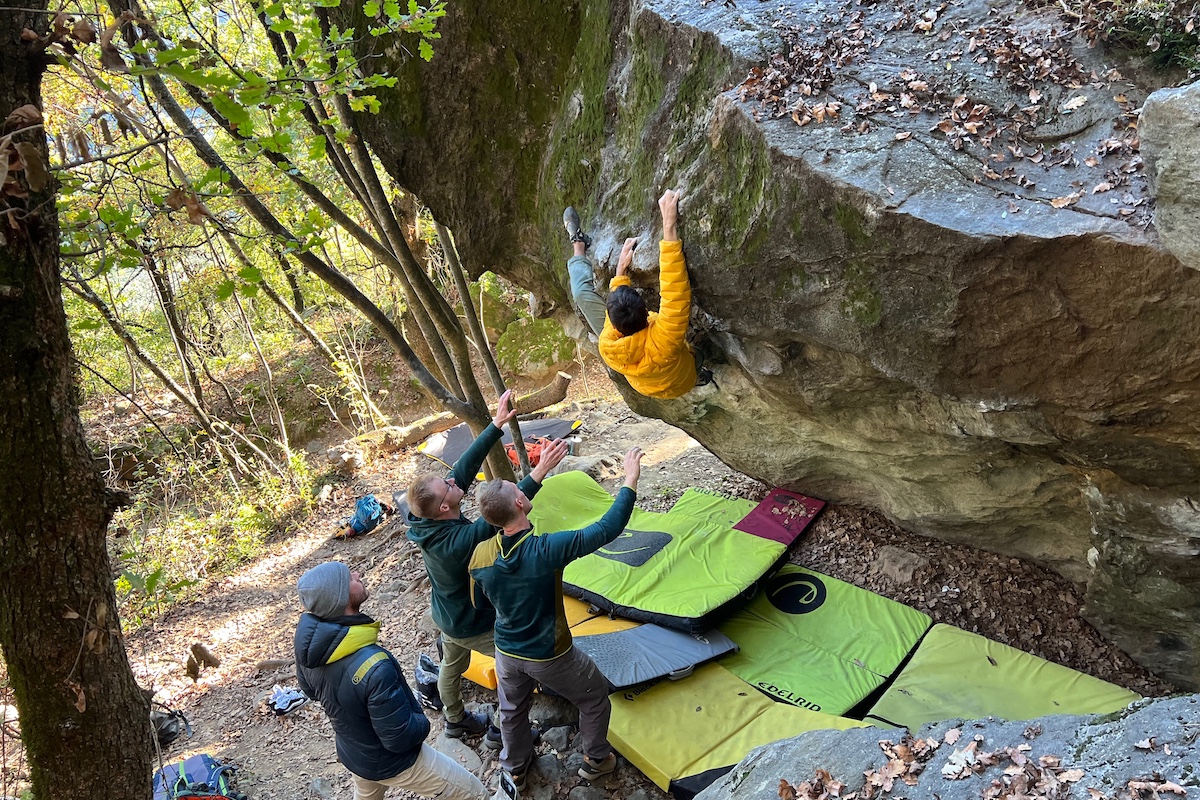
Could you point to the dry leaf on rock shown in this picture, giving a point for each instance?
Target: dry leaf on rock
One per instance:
(1075, 103)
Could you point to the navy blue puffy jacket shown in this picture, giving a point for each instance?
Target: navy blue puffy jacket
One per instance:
(378, 725)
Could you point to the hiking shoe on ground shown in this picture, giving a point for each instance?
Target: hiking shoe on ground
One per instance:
(574, 228)
(518, 776)
(492, 740)
(597, 769)
(472, 724)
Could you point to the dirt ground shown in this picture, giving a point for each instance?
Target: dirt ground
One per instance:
(248, 619)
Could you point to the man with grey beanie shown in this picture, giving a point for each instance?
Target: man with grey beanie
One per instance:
(379, 728)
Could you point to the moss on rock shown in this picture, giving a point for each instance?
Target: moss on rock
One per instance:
(534, 347)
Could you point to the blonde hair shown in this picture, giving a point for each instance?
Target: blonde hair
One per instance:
(422, 493)
(496, 502)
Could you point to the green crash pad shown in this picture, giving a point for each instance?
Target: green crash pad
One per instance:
(673, 569)
(705, 723)
(820, 643)
(956, 674)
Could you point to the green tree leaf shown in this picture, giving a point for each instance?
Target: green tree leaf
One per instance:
(231, 110)
(225, 290)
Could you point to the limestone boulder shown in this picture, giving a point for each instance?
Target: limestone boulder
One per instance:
(921, 247)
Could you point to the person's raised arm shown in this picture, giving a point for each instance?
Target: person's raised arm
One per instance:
(567, 546)
(633, 468)
(504, 411)
(469, 463)
(623, 263)
(675, 305)
(668, 206)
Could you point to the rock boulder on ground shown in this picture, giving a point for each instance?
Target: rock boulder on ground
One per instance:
(1147, 751)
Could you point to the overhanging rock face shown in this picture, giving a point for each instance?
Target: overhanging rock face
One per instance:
(941, 295)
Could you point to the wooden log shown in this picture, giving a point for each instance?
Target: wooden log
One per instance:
(548, 395)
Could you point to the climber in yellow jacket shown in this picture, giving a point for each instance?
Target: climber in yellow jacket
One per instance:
(650, 348)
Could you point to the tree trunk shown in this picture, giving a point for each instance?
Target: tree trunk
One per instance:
(84, 723)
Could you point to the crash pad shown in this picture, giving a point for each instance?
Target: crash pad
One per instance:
(626, 652)
(677, 569)
(958, 674)
(820, 643)
(448, 446)
(703, 725)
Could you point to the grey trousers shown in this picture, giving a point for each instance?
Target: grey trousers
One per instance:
(456, 657)
(583, 292)
(572, 675)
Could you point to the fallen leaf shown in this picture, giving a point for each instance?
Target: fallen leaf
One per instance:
(1173, 788)
(952, 735)
(1092, 161)
(1035, 96)
(1075, 103)
(900, 137)
(1101, 187)
(786, 792)
(1145, 744)
(1063, 202)
(1071, 775)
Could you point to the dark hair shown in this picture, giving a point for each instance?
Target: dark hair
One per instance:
(626, 310)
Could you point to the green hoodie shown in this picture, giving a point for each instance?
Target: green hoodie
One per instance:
(522, 577)
(447, 544)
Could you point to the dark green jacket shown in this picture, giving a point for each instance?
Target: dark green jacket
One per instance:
(447, 544)
(522, 577)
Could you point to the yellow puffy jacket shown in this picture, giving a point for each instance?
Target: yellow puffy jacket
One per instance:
(657, 360)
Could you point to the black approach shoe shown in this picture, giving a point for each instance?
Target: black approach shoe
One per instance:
(492, 740)
(574, 228)
(472, 724)
(519, 776)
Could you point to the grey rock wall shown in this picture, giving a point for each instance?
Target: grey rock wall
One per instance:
(1170, 134)
(1149, 750)
(941, 296)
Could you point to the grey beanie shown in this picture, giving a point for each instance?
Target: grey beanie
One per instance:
(325, 589)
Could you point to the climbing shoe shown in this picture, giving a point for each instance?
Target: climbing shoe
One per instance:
(472, 724)
(597, 769)
(574, 229)
(492, 740)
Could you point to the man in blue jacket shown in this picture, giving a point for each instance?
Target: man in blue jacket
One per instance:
(447, 538)
(379, 729)
(521, 574)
